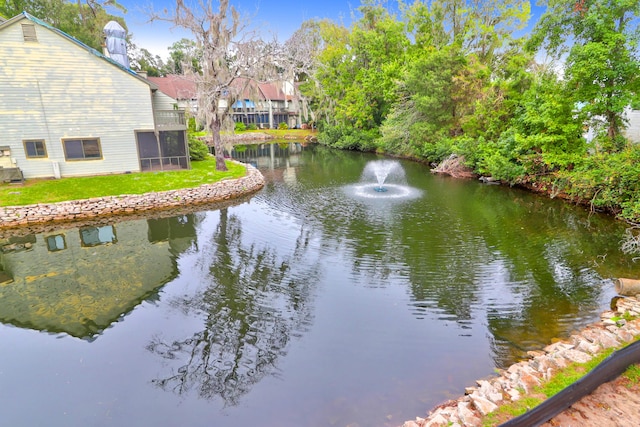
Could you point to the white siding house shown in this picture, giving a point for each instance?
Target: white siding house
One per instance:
(68, 110)
(632, 132)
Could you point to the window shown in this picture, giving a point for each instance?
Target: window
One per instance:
(56, 243)
(35, 149)
(94, 236)
(82, 149)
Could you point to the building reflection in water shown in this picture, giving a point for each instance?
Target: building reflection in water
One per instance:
(80, 280)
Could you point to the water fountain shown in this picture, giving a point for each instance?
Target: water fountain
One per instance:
(383, 180)
(380, 170)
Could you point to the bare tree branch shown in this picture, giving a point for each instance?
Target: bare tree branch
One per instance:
(232, 57)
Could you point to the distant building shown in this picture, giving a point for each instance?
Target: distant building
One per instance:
(264, 104)
(179, 88)
(267, 105)
(69, 110)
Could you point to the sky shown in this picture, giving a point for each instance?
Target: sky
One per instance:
(270, 17)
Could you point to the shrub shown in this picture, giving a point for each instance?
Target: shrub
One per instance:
(252, 126)
(283, 125)
(350, 138)
(198, 150)
(609, 181)
(193, 125)
(437, 151)
(240, 127)
(502, 159)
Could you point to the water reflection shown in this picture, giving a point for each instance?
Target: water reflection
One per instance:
(81, 280)
(253, 300)
(96, 236)
(528, 262)
(303, 303)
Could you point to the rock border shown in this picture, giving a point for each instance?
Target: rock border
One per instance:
(130, 204)
(488, 395)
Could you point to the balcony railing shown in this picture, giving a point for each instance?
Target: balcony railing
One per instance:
(170, 120)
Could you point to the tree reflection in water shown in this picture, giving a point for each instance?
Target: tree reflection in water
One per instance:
(253, 304)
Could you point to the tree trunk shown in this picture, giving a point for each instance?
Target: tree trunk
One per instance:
(613, 130)
(216, 125)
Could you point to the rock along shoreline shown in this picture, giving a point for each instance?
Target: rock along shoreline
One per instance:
(131, 204)
(489, 394)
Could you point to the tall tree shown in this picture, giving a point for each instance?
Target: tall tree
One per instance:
(231, 58)
(11, 8)
(299, 61)
(600, 40)
(143, 60)
(479, 26)
(181, 52)
(357, 74)
(331, 76)
(302, 49)
(452, 72)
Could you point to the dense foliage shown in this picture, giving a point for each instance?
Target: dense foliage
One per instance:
(461, 77)
(198, 150)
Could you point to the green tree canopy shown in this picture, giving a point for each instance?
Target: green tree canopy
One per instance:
(357, 73)
(184, 51)
(602, 64)
(143, 60)
(457, 74)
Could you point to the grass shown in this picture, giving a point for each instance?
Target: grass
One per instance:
(281, 133)
(572, 373)
(511, 410)
(276, 133)
(51, 191)
(633, 375)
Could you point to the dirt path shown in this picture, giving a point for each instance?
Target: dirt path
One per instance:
(614, 404)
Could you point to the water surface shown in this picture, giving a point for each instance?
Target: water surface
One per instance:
(312, 304)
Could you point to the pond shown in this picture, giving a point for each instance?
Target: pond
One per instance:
(318, 302)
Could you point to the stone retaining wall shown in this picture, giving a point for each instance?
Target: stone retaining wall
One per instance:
(486, 397)
(20, 216)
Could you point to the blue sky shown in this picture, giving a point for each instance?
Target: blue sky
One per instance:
(279, 17)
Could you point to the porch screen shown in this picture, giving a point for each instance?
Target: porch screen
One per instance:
(167, 152)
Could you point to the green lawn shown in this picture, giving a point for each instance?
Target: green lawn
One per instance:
(282, 133)
(276, 133)
(51, 191)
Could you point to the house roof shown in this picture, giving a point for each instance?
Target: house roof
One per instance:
(273, 92)
(181, 87)
(25, 15)
(177, 87)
